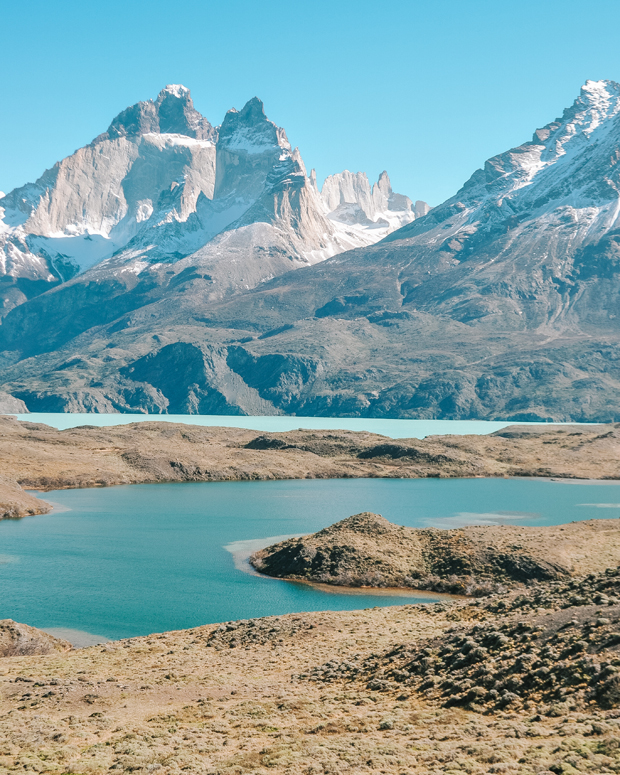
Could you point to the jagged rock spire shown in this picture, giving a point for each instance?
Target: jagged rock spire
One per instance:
(173, 112)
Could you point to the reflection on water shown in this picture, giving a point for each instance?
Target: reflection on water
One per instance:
(421, 595)
(464, 518)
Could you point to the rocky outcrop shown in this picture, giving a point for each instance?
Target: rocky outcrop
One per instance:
(21, 640)
(349, 198)
(11, 405)
(366, 550)
(562, 651)
(362, 215)
(173, 112)
(15, 503)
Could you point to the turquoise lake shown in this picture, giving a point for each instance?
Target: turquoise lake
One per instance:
(136, 559)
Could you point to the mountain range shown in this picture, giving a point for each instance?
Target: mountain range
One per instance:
(173, 266)
(162, 184)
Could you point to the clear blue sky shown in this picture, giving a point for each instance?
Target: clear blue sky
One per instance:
(427, 90)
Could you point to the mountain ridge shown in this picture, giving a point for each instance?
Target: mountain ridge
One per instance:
(500, 303)
(160, 184)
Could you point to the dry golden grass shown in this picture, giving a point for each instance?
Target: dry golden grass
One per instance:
(170, 704)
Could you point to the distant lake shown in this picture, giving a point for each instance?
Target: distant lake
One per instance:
(131, 560)
(396, 429)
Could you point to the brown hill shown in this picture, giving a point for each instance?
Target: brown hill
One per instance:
(22, 640)
(367, 550)
(33, 455)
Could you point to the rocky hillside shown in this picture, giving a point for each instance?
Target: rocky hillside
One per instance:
(20, 640)
(367, 550)
(556, 645)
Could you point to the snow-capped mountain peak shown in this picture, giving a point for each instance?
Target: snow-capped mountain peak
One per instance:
(249, 130)
(161, 183)
(363, 215)
(172, 112)
(598, 101)
(502, 301)
(175, 89)
(568, 170)
(591, 120)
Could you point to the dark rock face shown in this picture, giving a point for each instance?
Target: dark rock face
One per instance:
(399, 452)
(278, 378)
(264, 442)
(172, 112)
(196, 380)
(522, 568)
(249, 146)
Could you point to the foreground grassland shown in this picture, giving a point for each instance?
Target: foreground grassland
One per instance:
(516, 683)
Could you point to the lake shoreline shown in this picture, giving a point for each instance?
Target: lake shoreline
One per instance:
(395, 428)
(125, 561)
(424, 595)
(39, 457)
(242, 562)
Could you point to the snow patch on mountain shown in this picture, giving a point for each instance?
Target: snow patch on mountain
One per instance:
(566, 177)
(362, 215)
(177, 90)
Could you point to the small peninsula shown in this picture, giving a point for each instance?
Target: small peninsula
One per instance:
(366, 550)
